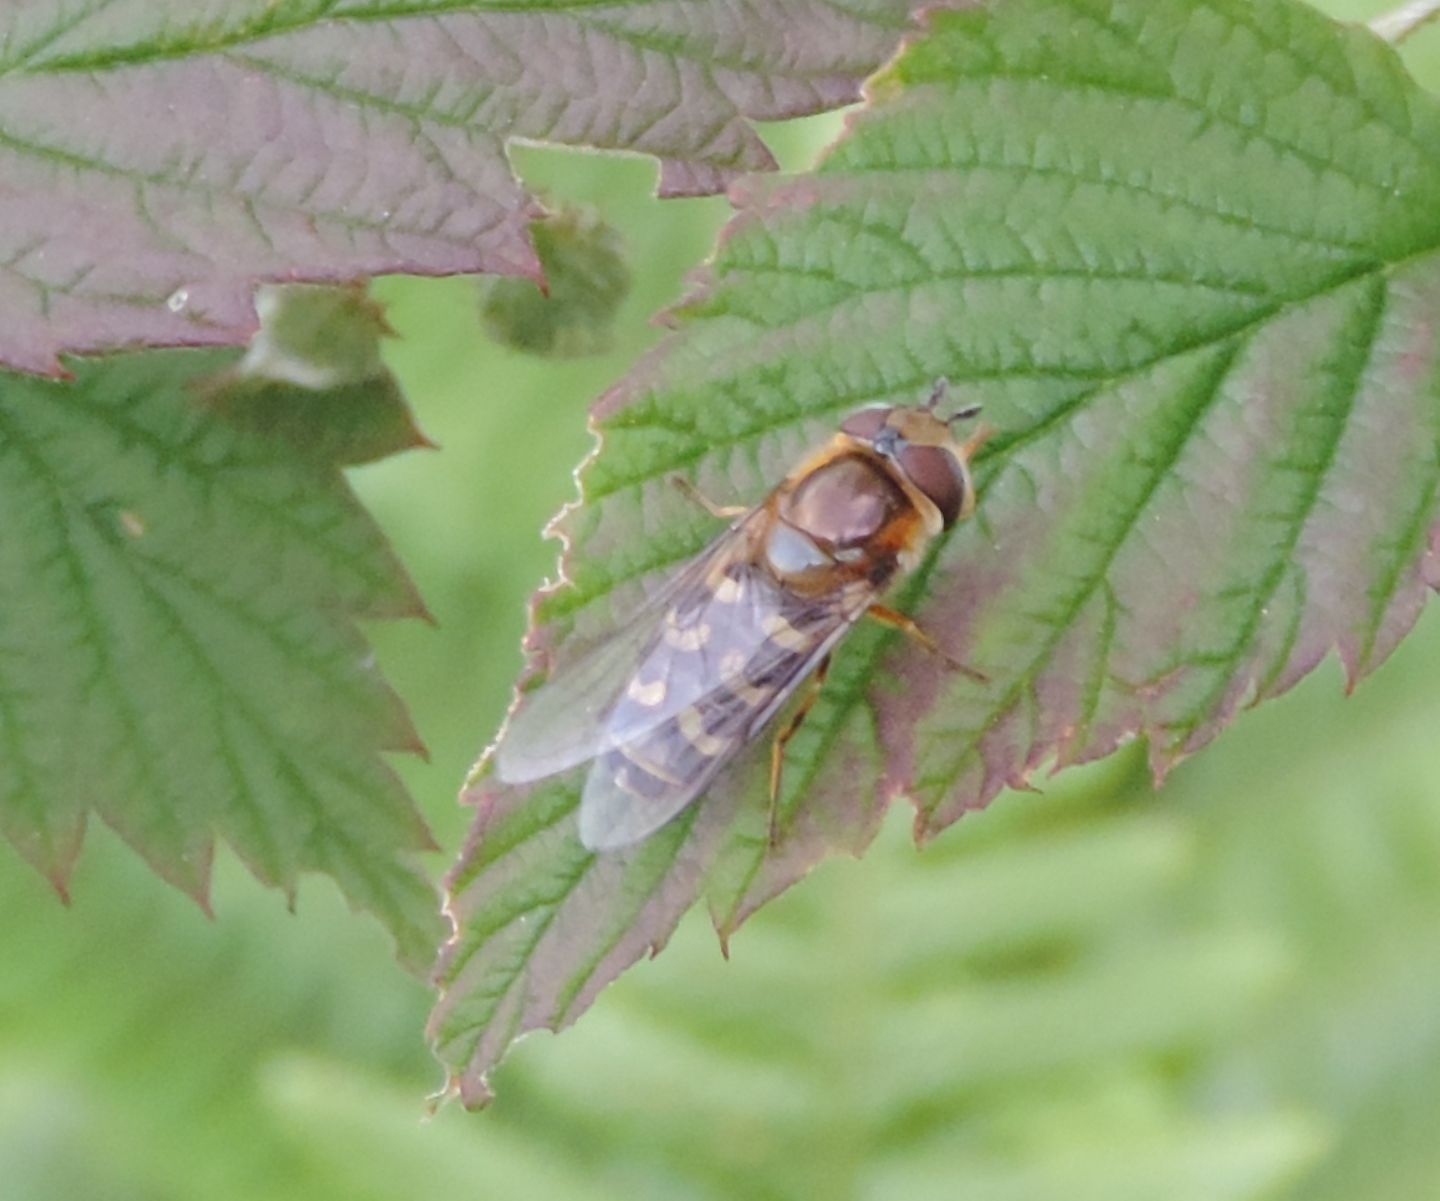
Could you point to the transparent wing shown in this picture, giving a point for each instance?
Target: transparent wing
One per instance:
(642, 783)
(567, 720)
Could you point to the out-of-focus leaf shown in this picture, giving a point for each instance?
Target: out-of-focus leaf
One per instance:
(314, 377)
(1025, 1034)
(1231, 1160)
(135, 1029)
(1186, 255)
(365, 1133)
(1337, 851)
(1405, 19)
(1060, 983)
(316, 337)
(160, 156)
(178, 647)
(586, 280)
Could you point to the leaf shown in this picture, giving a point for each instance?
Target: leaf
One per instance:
(178, 644)
(161, 157)
(1047, 1042)
(1339, 862)
(1185, 254)
(313, 376)
(586, 279)
(141, 1031)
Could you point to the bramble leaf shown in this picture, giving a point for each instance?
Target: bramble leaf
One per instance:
(178, 647)
(160, 157)
(1187, 255)
(313, 376)
(586, 281)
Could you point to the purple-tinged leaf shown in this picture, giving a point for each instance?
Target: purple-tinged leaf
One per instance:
(1187, 256)
(159, 157)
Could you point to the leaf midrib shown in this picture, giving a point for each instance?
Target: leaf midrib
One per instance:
(560, 606)
(846, 700)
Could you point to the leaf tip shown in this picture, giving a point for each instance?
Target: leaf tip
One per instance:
(58, 864)
(422, 440)
(409, 742)
(412, 604)
(59, 880)
(474, 1093)
(925, 827)
(190, 871)
(50, 367)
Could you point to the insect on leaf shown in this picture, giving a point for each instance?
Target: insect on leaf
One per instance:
(1187, 256)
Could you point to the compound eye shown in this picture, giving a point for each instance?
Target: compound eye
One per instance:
(867, 423)
(938, 474)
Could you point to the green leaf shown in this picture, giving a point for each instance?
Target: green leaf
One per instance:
(586, 278)
(1339, 861)
(161, 157)
(178, 643)
(313, 377)
(1185, 254)
(1050, 1025)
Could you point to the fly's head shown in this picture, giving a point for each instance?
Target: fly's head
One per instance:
(921, 449)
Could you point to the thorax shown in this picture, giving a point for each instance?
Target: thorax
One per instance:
(845, 520)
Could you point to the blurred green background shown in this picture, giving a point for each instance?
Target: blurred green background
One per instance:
(1229, 989)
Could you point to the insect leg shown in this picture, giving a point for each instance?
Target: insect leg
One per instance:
(690, 492)
(975, 441)
(787, 732)
(896, 620)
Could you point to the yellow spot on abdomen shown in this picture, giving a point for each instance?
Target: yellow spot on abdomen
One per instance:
(686, 638)
(728, 590)
(693, 727)
(647, 765)
(783, 634)
(732, 675)
(649, 695)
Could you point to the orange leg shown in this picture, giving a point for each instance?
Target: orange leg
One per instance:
(975, 441)
(896, 620)
(787, 732)
(690, 492)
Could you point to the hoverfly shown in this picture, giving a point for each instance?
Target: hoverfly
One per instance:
(668, 700)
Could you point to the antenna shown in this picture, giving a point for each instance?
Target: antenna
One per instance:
(938, 392)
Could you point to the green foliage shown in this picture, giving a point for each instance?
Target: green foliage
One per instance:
(1286, 878)
(1187, 257)
(313, 377)
(586, 279)
(1336, 844)
(990, 1050)
(180, 656)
